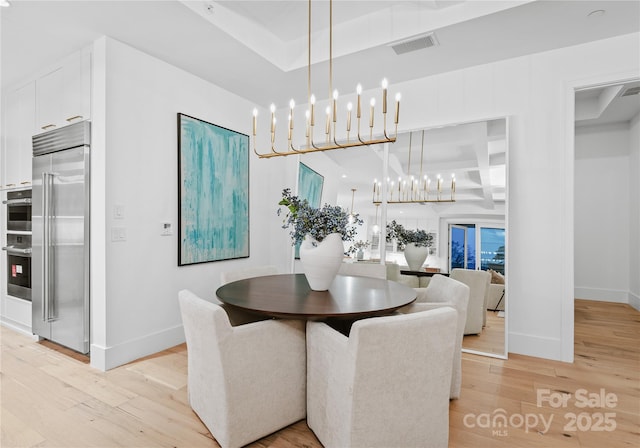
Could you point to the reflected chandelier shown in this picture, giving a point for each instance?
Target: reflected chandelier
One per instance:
(414, 189)
(331, 141)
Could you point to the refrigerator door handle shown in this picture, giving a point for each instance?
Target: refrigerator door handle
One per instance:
(47, 183)
(17, 250)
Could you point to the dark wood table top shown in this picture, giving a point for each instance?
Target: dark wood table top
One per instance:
(423, 273)
(289, 296)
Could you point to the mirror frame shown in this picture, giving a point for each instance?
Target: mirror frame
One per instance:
(384, 215)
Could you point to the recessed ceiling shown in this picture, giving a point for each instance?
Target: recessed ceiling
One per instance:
(259, 49)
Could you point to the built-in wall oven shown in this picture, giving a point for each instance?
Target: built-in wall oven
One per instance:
(18, 250)
(18, 210)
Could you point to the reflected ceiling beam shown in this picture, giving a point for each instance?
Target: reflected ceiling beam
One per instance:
(593, 106)
(480, 146)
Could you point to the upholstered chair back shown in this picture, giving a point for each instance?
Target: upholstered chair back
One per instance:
(244, 382)
(478, 282)
(374, 270)
(446, 292)
(386, 384)
(255, 271)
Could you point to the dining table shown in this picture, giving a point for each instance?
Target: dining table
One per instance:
(289, 296)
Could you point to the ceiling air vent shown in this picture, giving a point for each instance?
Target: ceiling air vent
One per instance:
(416, 43)
(631, 91)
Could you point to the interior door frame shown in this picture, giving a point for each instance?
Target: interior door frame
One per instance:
(567, 220)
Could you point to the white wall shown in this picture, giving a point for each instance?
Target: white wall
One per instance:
(602, 218)
(634, 213)
(143, 95)
(532, 90)
(134, 301)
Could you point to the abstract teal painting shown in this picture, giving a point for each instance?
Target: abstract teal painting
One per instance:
(310, 185)
(213, 176)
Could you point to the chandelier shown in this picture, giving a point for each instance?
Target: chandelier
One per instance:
(331, 139)
(415, 189)
(352, 217)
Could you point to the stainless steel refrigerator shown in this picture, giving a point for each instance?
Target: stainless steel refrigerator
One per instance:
(60, 223)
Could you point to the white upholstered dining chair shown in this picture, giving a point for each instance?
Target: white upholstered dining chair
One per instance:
(247, 381)
(478, 283)
(373, 270)
(254, 271)
(378, 387)
(445, 292)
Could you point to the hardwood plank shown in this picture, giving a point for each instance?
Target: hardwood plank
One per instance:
(49, 399)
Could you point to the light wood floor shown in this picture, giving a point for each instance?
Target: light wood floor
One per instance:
(50, 399)
(491, 340)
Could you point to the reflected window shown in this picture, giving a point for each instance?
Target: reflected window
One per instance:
(462, 246)
(469, 243)
(492, 249)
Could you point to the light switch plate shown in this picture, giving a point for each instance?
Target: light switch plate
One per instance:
(118, 234)
(118, 211)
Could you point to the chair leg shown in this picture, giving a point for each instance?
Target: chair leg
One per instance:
(498, 304)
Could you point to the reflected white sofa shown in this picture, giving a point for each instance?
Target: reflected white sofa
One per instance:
(478, 282)
(244, 382)
(378, 387)
(446, 292)
(496, 292)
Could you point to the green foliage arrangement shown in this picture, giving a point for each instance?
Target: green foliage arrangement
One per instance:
(419, 237)
(302, 219)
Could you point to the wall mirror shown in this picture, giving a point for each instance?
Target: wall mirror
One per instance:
(468, 225)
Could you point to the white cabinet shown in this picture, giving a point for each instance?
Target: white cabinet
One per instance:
(19, 124)
(63, 96)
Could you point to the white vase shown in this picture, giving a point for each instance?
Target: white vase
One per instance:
(415, 256)
(321, 260)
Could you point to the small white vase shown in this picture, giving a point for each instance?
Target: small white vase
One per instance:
(415, 256)
(321, 260)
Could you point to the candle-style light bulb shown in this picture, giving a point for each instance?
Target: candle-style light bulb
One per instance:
(349, 108)
(292, 104)
(358, 105)
(371, 110)
(273, 130)
(273, 117)
(453, 185)
(328, 127)
(398, 96)
(312, 100)
(255, 120)
(384, 95)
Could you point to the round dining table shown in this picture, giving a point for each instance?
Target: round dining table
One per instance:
(289, 296)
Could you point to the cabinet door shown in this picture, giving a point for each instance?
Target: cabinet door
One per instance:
(77, 86)
(64, 94)
(49, 93)
(19, 124)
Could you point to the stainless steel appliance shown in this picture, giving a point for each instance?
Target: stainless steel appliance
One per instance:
(60, 268)
(18, 210)
(18, 265)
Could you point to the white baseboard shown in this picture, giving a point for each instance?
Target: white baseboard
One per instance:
(601, 295)
(538, 346)
(18, 327)
(105, 358)
(634, 300)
